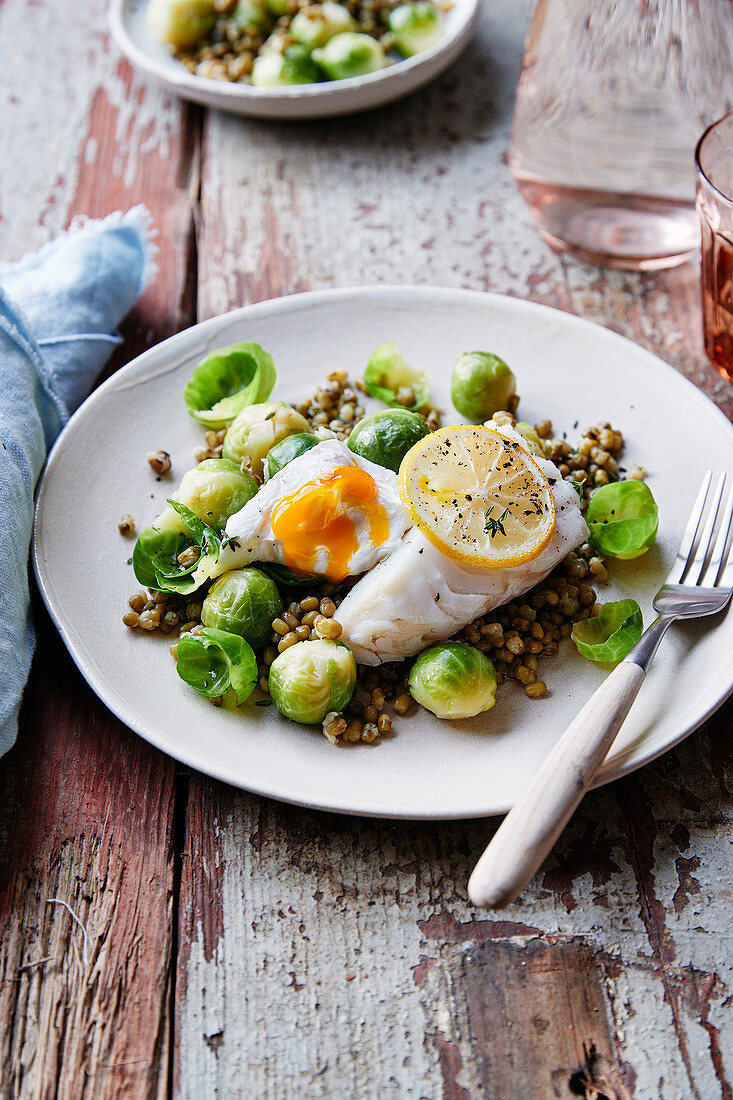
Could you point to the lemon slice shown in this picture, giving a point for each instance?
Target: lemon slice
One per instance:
(480, 498)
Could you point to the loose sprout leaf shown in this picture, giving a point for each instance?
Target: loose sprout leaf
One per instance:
(155, 559)
(228, 380)
(214, 661)
(205, 537)
(623, 518)
(141, 557)
(286, 578)
(610, 635)
(387, 373)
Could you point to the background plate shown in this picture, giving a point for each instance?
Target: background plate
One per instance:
(335, 97)
(567, 369)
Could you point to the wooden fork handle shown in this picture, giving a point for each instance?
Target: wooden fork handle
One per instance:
(532, 826)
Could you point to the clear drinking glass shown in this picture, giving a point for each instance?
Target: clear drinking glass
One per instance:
(612, 97)
(714, 159)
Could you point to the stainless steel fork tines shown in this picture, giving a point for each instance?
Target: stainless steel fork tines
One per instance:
(700, 581)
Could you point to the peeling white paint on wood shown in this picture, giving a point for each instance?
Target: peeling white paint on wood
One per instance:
(61, 67)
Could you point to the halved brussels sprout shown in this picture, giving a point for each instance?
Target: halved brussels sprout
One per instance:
(243, 602)
(350, 54)
(415, 26)
(315, 25)
(214, 661)
(228, 380)
(611, 634)
(391, 379)
(257, 429)
(623, 519)
(285, 451)
(216, 489)
(293, 66)
(180, 23)
(312, 678)
(168, 554)
(481, 384)
(386, 437)
(453, 680)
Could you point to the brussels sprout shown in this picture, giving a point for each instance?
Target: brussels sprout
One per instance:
(386, 437)
(350, 54)
(252, 14)
(415, 26)
(611, 634)
(257, 429)
(453, 680)
(623, 518)
(293, 66)
(180, 23)
(243, 602)
(311, 678)
(285, 451)
(214, 661)
(156, 559)
(315, 25)
(481, 384)
(278, 7)
(392, 380)
(228, 380)
(216, 489)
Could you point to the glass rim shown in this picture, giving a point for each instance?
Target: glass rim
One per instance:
(701, 171)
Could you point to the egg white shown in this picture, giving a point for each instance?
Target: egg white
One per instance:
(251, 527)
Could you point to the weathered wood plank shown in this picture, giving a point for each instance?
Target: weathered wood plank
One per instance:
(322, 956)
(86, 808)
(514, 992)
(86, 811)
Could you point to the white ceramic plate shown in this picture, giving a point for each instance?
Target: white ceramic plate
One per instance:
(567, 369)
(336, 97)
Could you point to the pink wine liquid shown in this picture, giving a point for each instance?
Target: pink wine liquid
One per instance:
(717, 299)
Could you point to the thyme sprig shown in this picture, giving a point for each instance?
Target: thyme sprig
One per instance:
(495, 525)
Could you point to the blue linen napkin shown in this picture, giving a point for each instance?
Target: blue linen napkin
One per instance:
(59, 308)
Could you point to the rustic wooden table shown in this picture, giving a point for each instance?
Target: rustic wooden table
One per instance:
(236, 947)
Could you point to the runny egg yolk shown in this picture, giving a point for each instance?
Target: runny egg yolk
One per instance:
(315, 518)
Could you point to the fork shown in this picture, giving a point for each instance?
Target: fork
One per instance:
(700, 582)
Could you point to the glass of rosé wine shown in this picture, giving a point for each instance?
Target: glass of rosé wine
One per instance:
(714, 160)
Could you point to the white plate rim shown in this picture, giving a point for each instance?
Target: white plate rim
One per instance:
(303, 100)
(174, 344)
